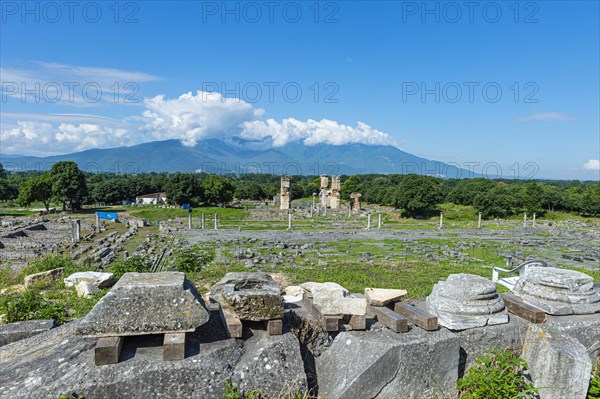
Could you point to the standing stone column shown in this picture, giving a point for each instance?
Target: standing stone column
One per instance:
(441, 220)
(533, 224)
(75, 230)
(289, 221)
(189, 220)
(216, 222)
(97, 222)
(379, 221)
(525, 219)
(369, 221)
(202, 222)
(479, 221)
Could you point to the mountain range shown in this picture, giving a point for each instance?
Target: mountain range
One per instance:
(239, 156)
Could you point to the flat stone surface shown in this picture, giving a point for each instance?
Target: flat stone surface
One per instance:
(343, 306)
(252, 296)
(49, 275)
(558, 364)
(466, 301)
(271, 364)
(386, 365)
(558, 291)
(100, 280)
(383, 296)
(13, 332)
(146, 303)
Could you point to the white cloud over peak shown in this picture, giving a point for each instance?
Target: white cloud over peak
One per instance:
(191, 118)
(592, 164)
(313, 132)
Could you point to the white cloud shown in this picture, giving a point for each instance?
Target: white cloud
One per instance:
(41, 82)
(547, 117)
(191, 118)
(42, 138)
(313, 132)
(592, 164)
(188, 118)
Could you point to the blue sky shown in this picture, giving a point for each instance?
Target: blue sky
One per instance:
(508, 84)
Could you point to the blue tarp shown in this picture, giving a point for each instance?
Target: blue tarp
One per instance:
(185, 206)
(108, 215)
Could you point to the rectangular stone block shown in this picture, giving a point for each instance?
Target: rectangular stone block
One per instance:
(108, 350)
(275, 327)
(174, 346)
(232, 323)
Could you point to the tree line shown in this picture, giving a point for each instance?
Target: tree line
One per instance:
(413, 194)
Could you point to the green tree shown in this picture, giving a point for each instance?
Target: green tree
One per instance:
(351, 185)
(590, 201)
(108, 191)
(183, 188)
(495, 202)
(217, 189)
(37, 188)
(531, 197)
(552, 198)
(68, 184)
(4, 189)
(249, 190)
(417, 194)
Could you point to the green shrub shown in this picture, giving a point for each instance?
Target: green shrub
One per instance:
(71, 395)
(594, 389)
(30, 305)
(191, 260)
(133, 264)
(496, 374)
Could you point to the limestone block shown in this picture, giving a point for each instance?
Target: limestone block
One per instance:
(100, 280)
(558, 364)
(466, 301)
(146, 303)
(558, 291)
(252, 296)
(382, 296)
(49, 275)
(85, 289)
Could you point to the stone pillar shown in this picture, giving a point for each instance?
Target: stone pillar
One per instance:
(285, 195)
(289, 221)
(76, 230)
(479, 221)
(202, 222)
(356, 199)
(350, 210)
(334, 196)
(525, 219)
(97, 222)
(189, 220)
(369, 221)
(379, 221)
(216, 222)
(533, 223)
(441, 221)
(323, 193)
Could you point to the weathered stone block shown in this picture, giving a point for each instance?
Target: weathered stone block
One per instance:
(252, 296)
(49, 275)
(343, 306)
(559, 365)
(13, 332)
(100, 280)
(386, 365)
(382, 296)
(85, 289)
(146, 303)
(558, 291)
(466, 301)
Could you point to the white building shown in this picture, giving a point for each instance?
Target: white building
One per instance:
(151, 199)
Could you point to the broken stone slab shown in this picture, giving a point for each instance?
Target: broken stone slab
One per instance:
(271, 364)
(100, 280)
(386, 365)
(558, 291)
(293, 293)
(466, 301)
(251, 295)
(558, 364)
(50, 275)
(146, 303)
(343, 306)
(13, 332)
(85, 289)
(383, 296)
